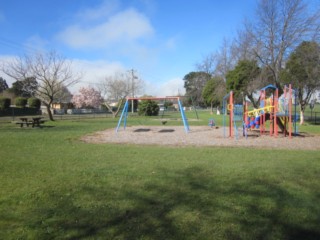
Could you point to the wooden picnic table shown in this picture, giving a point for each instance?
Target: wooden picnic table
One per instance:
(36, 121)
(24, 122)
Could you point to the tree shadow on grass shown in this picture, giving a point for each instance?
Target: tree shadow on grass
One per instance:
(188, 204)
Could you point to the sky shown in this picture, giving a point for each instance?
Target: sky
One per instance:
(162, 40)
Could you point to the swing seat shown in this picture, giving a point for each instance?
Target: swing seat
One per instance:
(211, 122)
(163, 122)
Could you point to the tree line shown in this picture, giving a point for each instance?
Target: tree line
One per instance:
(280, 45)
(47, 76)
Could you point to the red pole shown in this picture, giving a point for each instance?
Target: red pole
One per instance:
(275, 108)
(290, 110)
(262, 116)
(231, 113)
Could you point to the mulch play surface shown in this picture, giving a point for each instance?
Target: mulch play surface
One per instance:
(201, 136)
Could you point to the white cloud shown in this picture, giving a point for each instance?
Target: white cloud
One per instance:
(96, 13)
(120, 28)
(94, 72)
(6, 59)
(171, 87)
(35, 44)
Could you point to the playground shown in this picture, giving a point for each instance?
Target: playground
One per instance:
(175, 136)
(271, 126)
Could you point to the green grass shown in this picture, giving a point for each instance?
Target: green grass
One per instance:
(54, 186)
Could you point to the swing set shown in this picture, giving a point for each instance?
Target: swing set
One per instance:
(124, 114)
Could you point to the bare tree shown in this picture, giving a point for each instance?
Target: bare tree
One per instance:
(208, 64)
(280, 26)
(117, 87)
(52, 72)
(226, 59)
(243, 46)
(218, 64)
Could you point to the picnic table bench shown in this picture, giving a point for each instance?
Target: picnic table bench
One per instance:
(35, 122)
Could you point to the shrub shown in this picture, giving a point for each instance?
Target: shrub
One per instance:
(34, 103)
(148, 108)
(4, 103)
(21, 102)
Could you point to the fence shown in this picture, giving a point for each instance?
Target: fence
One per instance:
(13, 114)
(314, 118)
(82, 114)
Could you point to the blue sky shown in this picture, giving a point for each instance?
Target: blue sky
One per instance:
(161, 39)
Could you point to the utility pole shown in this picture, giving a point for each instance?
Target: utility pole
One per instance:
(133, 77)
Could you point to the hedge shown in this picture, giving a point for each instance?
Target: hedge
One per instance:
(34, 103)
(21, 102)
(4, 103)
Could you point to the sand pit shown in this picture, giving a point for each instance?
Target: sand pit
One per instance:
(200, 136)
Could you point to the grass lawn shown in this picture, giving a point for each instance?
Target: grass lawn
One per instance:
(55, 187)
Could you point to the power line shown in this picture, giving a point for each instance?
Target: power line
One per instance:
(17, 46)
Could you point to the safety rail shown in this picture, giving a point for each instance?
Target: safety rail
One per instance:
(255, 112)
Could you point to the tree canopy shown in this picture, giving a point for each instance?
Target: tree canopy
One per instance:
(117, 87)
(148, 108)
(244, 80)
(303, 71)
(214, 91)
(3, 85)
(51, 70)
(194, 83)
(268, 38)
(24, 88)
(278, 28)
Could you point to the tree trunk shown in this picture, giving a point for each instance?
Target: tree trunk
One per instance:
(254, 103)
(110, 109)
(114, 113)
(49, 112)
(302, 107)
(301, 117)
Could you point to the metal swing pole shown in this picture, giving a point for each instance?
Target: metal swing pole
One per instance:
(123, 114)
(184, 119)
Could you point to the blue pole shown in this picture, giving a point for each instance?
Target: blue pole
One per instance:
(125, 117)
(235, 128)
(124, 113)
(184, 119)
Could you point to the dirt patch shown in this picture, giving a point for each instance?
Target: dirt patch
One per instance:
(200, 136)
